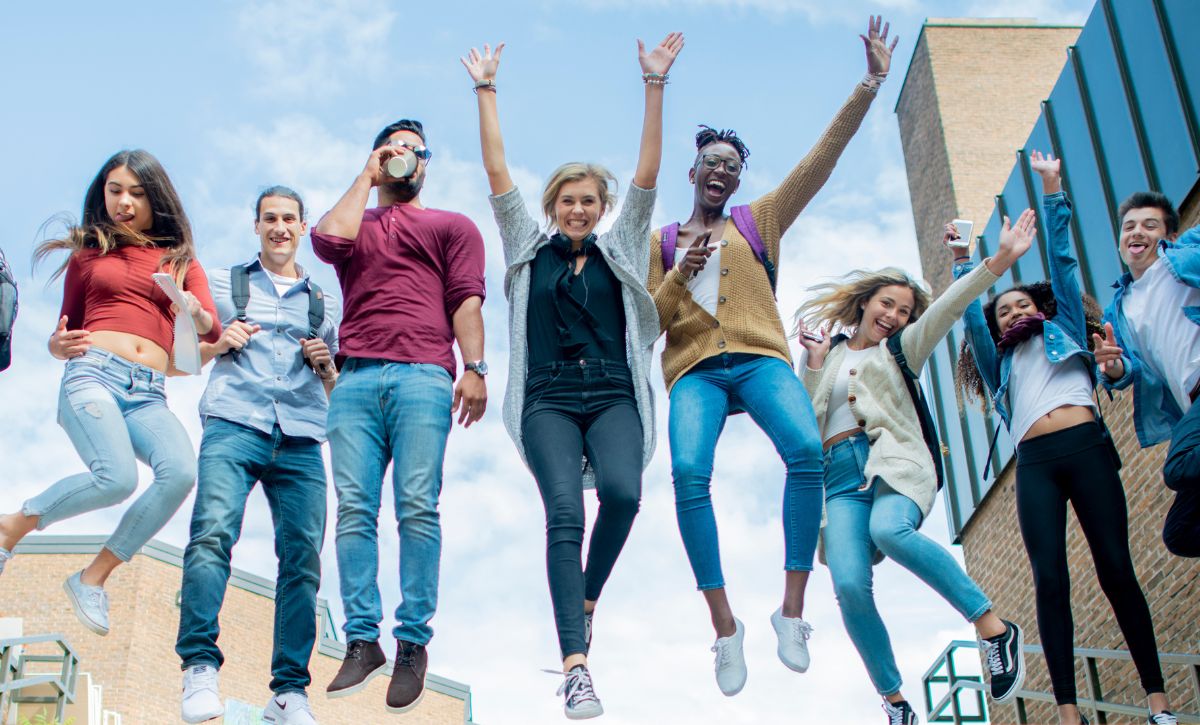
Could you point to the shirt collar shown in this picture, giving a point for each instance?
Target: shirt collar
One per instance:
(256, 264)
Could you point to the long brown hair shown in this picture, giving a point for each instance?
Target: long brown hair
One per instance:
(840, 303)
(169, 226)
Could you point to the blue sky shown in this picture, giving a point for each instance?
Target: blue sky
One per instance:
(233, 97)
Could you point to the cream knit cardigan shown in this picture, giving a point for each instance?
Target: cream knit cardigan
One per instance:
(882, 405)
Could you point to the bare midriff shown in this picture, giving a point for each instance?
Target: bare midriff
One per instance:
(840, 437)
(1059, 419)
(133, 348)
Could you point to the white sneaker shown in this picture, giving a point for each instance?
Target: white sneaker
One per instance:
(90, 603)
(580, 701)
(5, 555)
(290, 708)
(793, 634)
(731, 661)
(201, 698)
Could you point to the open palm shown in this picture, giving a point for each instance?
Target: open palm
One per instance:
(663, 56)
(483, 67)
(879, 53)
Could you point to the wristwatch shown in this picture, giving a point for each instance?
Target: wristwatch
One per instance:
(479, 367)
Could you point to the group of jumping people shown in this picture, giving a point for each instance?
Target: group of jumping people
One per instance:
(372, 371)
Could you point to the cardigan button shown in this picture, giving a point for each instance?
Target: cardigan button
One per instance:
(862, 423)
(716, 324)
(724, 242)
(725, 272)
(721, 299)
(851, 399)
(853, 371)
(721, 344)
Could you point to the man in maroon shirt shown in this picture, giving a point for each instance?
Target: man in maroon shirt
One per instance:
(413, 283)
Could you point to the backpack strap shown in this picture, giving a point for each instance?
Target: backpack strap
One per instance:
(316, 309)
(239, 289)
(744, 221)
(928, 428)
(667, 236)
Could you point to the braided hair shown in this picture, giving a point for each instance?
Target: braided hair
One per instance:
(969, 382)
(707, 135)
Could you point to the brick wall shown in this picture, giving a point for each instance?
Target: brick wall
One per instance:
(137, 665)
(970, 99)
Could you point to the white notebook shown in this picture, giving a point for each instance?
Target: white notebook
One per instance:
(187, 343)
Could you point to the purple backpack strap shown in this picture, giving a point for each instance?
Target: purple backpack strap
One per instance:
(667, 237)
(744, 221)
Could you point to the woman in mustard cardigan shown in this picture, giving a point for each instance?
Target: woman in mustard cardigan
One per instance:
(727, 351)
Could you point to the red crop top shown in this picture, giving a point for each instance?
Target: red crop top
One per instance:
(116, 292)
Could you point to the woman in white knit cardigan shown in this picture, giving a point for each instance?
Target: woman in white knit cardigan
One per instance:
(880, 480)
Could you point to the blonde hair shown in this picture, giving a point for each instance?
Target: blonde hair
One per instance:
(578, 171)
(841, 302)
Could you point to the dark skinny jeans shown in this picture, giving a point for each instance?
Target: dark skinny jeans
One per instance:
(571, 409)
(1073, 465)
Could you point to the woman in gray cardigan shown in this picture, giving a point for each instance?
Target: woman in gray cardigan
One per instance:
(581, 328)
(880, 480)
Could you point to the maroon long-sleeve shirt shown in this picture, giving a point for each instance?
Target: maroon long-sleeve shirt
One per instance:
(402, 280)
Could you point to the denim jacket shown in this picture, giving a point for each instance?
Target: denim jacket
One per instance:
(1064, 335)
(1155, 411)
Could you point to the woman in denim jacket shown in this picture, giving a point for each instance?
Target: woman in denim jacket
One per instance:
(1030, 349)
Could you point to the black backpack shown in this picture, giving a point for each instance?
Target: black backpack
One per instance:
(8, 311)
(239, 286)
(912, 382)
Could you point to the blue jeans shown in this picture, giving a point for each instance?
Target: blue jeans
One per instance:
(767, 389)
(232, 458)
(115, 412)
(860, 519)
(383, 412)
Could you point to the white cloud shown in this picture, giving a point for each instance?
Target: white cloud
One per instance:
(1046, 11)
(812, 10)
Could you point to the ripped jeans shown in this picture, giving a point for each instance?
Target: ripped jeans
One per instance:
(115, 412)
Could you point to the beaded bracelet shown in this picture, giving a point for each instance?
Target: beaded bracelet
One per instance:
(487, 84)
(872, 81)
(655, 79)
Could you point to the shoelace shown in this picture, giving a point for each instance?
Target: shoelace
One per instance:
(801, 630)
(895, 714)
(724, 653)
(406, 657)
(205, 679)
(994, 663)
(356, 650)
(1164, 718)
(577, 685)
(97, 597)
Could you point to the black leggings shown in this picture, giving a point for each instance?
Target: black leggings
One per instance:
(1181, 473)
(572, 409)
(1073, 465)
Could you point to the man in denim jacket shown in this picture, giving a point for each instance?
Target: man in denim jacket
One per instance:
(1152, 340)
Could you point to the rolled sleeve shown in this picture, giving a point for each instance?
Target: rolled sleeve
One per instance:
(331, 249)
(465, 277)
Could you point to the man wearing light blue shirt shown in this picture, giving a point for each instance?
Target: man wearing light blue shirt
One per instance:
(264, 420)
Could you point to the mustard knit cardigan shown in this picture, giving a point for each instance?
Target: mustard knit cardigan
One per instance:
(747, 317)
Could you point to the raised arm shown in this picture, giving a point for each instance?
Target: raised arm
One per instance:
(919, 338)
(655, 66)
(482, 69)
(344, 219)
(979, 337)
(1063, 265)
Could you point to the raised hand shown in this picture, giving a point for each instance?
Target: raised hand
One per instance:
(696, 257)
(879, 53)
(1015, 239)
(1049, 168)
(483, 67)
(660, 59)
(65, 344)
(1107, 353)
(816, 342)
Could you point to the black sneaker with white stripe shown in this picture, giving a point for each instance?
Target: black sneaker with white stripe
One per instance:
(1163, 718)
(1005, 661)
(900, 713)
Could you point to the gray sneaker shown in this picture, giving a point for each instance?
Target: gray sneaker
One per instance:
(90, 603)
(580, 701)
(5, 555)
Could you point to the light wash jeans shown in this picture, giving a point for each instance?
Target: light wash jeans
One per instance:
(382, 412)
(858, 521)
(701, 400)
(115, 412)
(233, 458)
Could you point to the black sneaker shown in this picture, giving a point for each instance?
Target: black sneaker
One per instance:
(587, 632)
(1005, 661)
(364, 660)
(900, 713)
(408, 678)
(1163, 718)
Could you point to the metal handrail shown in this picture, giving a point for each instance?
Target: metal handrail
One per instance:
(958, 683)
(14, 679)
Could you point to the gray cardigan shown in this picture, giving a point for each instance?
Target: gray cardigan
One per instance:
(626, 248)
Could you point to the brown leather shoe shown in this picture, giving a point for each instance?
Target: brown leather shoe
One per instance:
(364, 660)
(408, 678)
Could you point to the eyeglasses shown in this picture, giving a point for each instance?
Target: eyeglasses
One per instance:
(421, 152)
(712, 161)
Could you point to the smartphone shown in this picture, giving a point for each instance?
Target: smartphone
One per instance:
(965, 228)
(812, 336)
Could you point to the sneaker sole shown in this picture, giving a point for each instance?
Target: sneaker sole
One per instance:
(410, 706)
(789, 665)
(206, 718)
(585, 715)
(355, 689)
(83, 618)
(1012, 691)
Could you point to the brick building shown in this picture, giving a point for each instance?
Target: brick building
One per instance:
(136, 667)
(1117, 101)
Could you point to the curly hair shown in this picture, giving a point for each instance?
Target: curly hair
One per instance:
(707, 135)
(841, 302)
(969, 382)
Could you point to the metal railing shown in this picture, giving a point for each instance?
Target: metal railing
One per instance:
(944, 673)
(15, 678)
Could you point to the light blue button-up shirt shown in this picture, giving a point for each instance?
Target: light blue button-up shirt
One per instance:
(269, 382)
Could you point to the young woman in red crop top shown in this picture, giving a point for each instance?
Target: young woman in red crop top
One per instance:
(116, 334)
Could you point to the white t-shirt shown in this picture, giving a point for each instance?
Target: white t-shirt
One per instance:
(282, 284)
(1037, 386)
(705, 285)
(838, 416)
(1167, 340)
